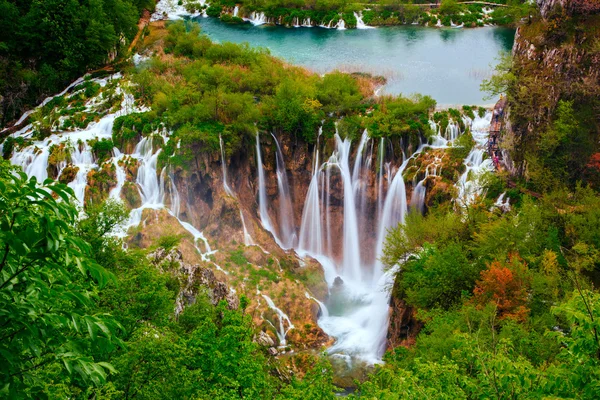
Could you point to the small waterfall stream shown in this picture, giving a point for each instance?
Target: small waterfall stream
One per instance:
(224, 168)
(281, 330)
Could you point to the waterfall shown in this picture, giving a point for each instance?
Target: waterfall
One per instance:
(287, 231)
(359, 22)
(257, 19)
(82, 158)
(247, 238)
(283, 318)
(468, 184)
(236, 10)
(147, 178)
(394, 210)
(262, 190)
(224, 167)
(115, 193)
(33, 160)
(351, 243)
(341, 25)
(360, 174)
(311, 239)
(452, 131)
(502, 203)
(323, 307)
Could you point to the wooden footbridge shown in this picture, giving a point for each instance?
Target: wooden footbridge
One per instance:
(495, 128)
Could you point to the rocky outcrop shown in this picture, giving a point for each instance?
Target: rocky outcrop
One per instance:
(555, 59)
(404, 326)
(194, 279)
(571, 7)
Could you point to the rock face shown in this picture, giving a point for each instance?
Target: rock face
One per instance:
(555, 58)
(569, 6)
(404, 326)
(193, 280)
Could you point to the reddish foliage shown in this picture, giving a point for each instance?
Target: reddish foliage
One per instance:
(594, 162)
(506, 286)
(592, 171)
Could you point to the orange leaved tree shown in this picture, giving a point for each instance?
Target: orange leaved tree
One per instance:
(507, 285)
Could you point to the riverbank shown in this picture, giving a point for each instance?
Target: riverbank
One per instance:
(350, 16)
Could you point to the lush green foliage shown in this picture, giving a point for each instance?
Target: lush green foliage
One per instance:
(377, 13)
(59, 339)
(506, 300)
(47, 289)
(44, 44)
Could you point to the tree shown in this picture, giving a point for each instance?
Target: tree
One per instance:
(506, 286)
(502, 77)
(47, 285)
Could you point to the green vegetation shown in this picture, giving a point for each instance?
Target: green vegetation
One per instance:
(508, 301)
(47, 44)
(81, 317)
(553, 103)
(229, 90)
(375, 13)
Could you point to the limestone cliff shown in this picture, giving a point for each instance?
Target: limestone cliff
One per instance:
(556, 69)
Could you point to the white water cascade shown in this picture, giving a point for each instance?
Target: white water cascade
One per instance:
(224, 168)
(469, 187)
(257, 19)
(351, 244)
(287, 231)
(360, 23)
(311, 239)
(281, 330)
(357, 309)
(262, 190)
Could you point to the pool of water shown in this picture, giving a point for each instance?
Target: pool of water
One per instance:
(445, 63)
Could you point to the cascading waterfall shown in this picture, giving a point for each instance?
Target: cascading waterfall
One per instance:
(322, 306)
(82, 158)
(257, 19)
(115, 193)
(262, 190)
(360, 23)
(476, 164)
(351, 243)
(417, 201)
(247, 238)
(311, 239)
(287, 231)
(281, 331)
(356, 311)
(224, 167)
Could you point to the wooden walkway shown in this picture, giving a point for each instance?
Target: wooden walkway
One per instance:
(495, 129)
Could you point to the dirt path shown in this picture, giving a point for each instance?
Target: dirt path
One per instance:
(144, 21)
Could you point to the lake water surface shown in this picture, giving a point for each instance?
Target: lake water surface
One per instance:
(445, 63)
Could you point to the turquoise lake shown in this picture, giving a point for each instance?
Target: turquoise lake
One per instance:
(445, 63)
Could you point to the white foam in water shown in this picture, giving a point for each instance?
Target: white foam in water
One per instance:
(469, 187)
(256, 19)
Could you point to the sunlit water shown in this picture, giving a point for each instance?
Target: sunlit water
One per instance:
(447, 63)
